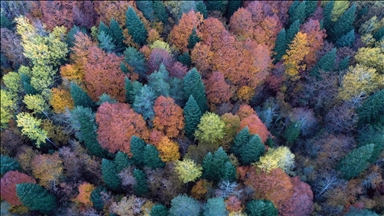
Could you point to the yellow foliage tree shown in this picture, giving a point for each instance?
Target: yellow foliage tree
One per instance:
(169, 151)
(7, 107)
(36, 103)
(31, 128)
(188, 170)
(280, 157)
(47, 168)
(61, 99)
(339, 8)
(371, 57)
(295, 55)
(245, 93)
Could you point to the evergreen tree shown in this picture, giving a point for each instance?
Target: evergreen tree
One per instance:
(185, 59)
(327, 14)
(207, 167)
(215, 206)
(184, 205)
(105, 42)
(261, 208)
(80, 97)
(356, 161)
(343, 64)
(200, 7)
(147, 8)
(240, 140)
(158, 81)
(159, 210)
(144, 101)
(292, 31)
(103, 28)
(228, 172)
(346, 40)
(122, 161)
(292, 132)
(8, 164)
(26, 83)
(110, 174)
(192, 115)
(325, 63)
(136, 27)
(373, 134)
(83, 121)
(297, 11)
(379, 34)
(97, 198)
(136, 60)
(70, 38)
(193, 39)
(176, 90)
(232, 7)
(137, 150)
(117, 35)
(193, 85)
(372, 110)
(36, 197)
(151, 157)
(344, 24)
(5, 23)
(310, 8)
(281, 45)
(160, 11)
(251, 151)
(140, 188)
(128, 91)
(217, 167)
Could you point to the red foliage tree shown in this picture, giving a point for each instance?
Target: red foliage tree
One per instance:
(168, 116)
(275, 186)
(155, 137)
(217, 89)
(315, 38)
(255, 126)
(178, 70)
(103, 74)
(57, 13)
(8, 186)
(301, 202)
(117, 124)
(157, 57)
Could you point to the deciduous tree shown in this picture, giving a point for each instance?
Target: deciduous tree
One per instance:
(8, 186)
(295, 55)
(47, 168)
(217, 89)
(168, 149)
(31, 127)
(210, 129)
(168, 117)
(188, 170)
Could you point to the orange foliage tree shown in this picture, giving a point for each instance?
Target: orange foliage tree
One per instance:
(169, 150)
(245, 111)
(117, 124)
(61, 99)
(8, 186)
(201, 55)
(103, 75)
(57, 13)
(275, 186)
(217, 89)
(84, 196)
(255, 126)
(47, 168)
(180, 33)
(169, 117)
(241, 23)
(210, 32)
(315, 38)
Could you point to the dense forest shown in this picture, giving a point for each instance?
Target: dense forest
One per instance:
(192, 108)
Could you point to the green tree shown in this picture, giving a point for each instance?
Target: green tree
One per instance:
(26, 83)
(193, 39)
(83, 121)
(135, 27)
(185, 59)
(343, 64)
(97, 198)
(217, 167)
(136, 60)
(147, 8)
(193, 85)
(346, 40)
(373, 134)
(252, 150)
(214, 5)
(372, 110)
(292, 31)
(158, 81)
(144, 101)
(281, 45)
(325, 63)
(105, 42)
(355, 161)
(117, 35)
(192, 115)
(297, 11)
(327, 14)
(160, 11)
(8, 164)
(31, 128)
(200, 7)
(159, 210)
(188, 170)
(261, 208)
(232, 7)
(121, 161)
(292, 132)
(80, 97)
(131, 89)
(176, 90)
(210, 129)
(184, 205)
(241, 139)
(215, 206)
(140, 188)
(36, 197)
(151, 157)
(103, 28)
(110, 174)
(137, 150)
(70, 38)
(344, 24)
(310, 8)
(5, 23)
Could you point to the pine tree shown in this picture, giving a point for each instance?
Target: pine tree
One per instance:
(344, 24)
(217, 167)
(103, 28)
(137, 150)
(158, 81)
(298, 12)
(325, 63)
(151, 157)
(160, 11)
(5, 23)
(292, 31)
(292, 132)
(261, 208)
(240, 140)
(97, 198)
(356, 161)
(159, 210)
(346, 40)
(251, 151)
(176, 90)
(372, 110)
(117, 35)
(36, 197)
(200, 7)
(310, 8)
(26, 82)
(110, 174)
(379, 34)
(144, 101)
(373, 134)
(122, 161)
(192, 115)
(83, 121)
(128, 91)
(343, 64)
(232, 7)
(185, 59)
(140, 188)
(193, 39)
(207, 167)
(8, 164)
(105, 42)
(70, 38)
(136, 60)
(327, 13)
(228, 172)
(147, 8)
(135, 27)
(80, 97)
(184, 205)
(214, 5)
(281, 45)
(193, 85)
(215, 206)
